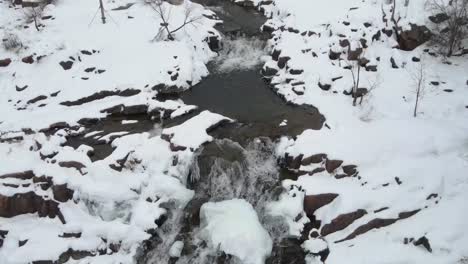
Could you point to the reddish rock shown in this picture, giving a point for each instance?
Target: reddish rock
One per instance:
(282, 61)
(28, 203)
(316, 158)
(29, 59)
(5, 62)
(332, 165)
(62, 193)
(349, 170)
(175, 147)
(314, 202)
(342, 221)
(72, 164)
(293, 162)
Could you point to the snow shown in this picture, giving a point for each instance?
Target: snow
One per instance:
(176, 249)
(193, 132)
(233, 227)
(427, 153)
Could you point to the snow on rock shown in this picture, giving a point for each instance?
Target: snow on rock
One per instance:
(193, 132)
(393, 176)
(233, 227)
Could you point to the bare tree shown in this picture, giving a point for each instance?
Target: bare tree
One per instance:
(103, 16)
(419, 78)
(166, 31)
(453, 25)
(34, 14)
(355, 68)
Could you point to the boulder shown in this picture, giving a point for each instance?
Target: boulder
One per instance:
(293, 162)
(342, 221)
(412, 38)
(269, 72)
(5, 62)
(332, 165)
(316, 158)
(332, 55)
(66, 65)
(314, 202)
(29, 59)
(282, 61)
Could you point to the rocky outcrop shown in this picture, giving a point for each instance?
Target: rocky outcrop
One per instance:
(377, 223)
(314, 202)
(5, 62)
(341, 222)
(412, 38)
(28, 203)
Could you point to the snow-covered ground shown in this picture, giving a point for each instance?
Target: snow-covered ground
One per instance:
(383, 186)
(404, 163)
(57, 202)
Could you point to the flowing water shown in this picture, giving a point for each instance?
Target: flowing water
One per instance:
(240, 162)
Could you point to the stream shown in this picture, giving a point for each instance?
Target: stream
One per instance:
(240, 162)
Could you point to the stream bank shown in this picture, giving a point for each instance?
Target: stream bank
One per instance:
(241, 162)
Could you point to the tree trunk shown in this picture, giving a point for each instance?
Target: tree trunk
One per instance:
(103, 16)
(416, 104)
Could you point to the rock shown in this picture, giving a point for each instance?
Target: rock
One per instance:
(66, 65)
(28, 203)
(354, 54)
(344, 43)
(341, 222)
(293, 162)
(377, 223)
(314, 202)
(448, 90)
(388, 32)
(20, 89)
(316, 170)
(295, 72)
(435, 83)
(324, 86)
(332, 55)
(72, 164)
(439, 18)
(394, 65)
(175, 147)
(423, 241)
(29, 59)
(299, 90)
(62, 193)
(316, 158)
(85, 52)
(90, 69)
(275, 55)
(372, 68)
(410, 39)
(37, 99)
(416, 59)
(332, 165)
(269, 72)
(5, 62)
(282, 61)
(349, 170)
(214, 43)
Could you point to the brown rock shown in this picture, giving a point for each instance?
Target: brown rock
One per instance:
(293, 162)
(412, 38)
(350, 170)
(29, 59)
(62, 193)
(314, 202)
(316, 158)
(28, 203)
(5, 62)
(342, 221)
(332, 165)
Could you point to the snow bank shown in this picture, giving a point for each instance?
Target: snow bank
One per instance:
(233, 227)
